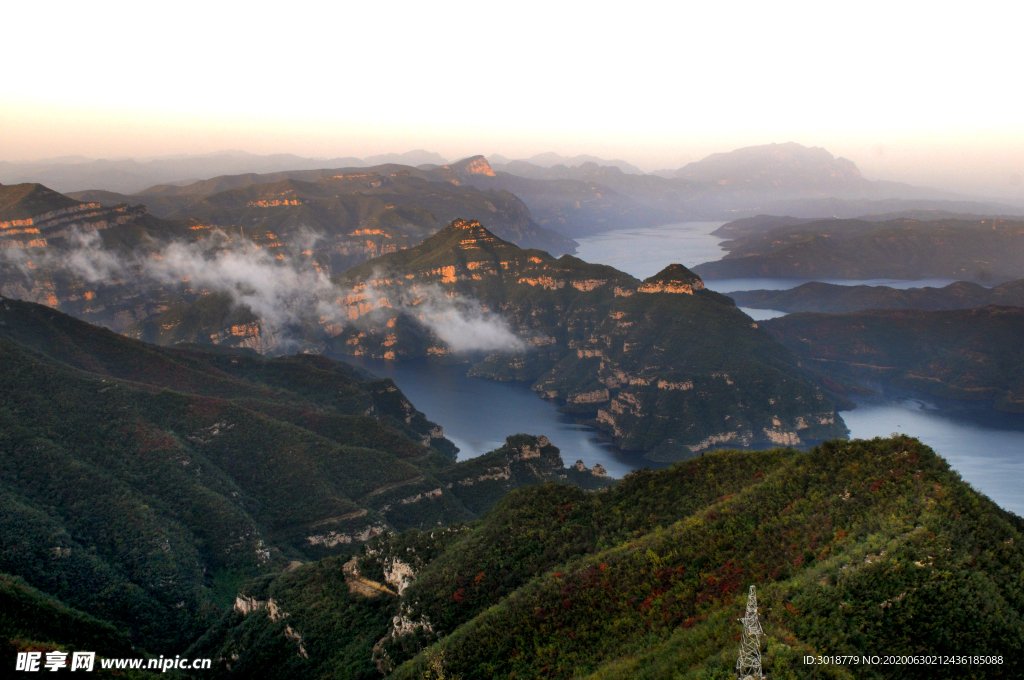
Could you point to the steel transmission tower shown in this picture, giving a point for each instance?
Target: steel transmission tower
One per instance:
(748, 665)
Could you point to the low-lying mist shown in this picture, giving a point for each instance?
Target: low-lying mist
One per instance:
(284, 291)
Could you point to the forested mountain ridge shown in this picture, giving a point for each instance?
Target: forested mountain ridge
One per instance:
(389, 206)
(828, 298)
(141, 484)
(25, 201)
(852, 546)
(966, 354)
(659, 364)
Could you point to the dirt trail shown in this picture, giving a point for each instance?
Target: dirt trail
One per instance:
(339, 518)
(394, 485)
(363, 586)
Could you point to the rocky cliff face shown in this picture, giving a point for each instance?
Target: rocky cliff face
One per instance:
(474, 165)
(64, 254)
(662, 365)
(364, 213)
(85, 259)
(89, 259)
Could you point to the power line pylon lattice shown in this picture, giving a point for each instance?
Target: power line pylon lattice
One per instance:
(748, 665)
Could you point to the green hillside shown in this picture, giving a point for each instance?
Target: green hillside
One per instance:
(988, 250)
(662, 365)
(864, 547)
(970, 354)
(140, 485)
(193, 322)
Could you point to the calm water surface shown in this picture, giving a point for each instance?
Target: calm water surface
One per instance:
(477, 414)
(985, 447)
(645, 252)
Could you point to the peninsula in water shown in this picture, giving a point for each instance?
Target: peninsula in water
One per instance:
(662, 365)
(984, 250)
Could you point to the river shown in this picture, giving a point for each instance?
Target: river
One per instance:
(985, 447)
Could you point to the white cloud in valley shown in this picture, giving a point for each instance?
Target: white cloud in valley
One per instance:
(281, 292)
(464, 325)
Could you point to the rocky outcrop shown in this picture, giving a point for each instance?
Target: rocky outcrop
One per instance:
(402, 626)
(334, 538)
(398, 574)
(474, 165)
(598, 469)
(246, 605)
(673, 279)
(643, 368)
(361, 585)
(50, 217)
(252, 335)
(592, 397)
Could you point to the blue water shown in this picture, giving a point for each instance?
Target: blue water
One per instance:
(477, 414)
(645, 252)
(985, 447)
(762, 314)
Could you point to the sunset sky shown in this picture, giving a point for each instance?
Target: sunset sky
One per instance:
(916, 93)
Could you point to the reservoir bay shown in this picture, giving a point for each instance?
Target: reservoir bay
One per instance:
(985, 447)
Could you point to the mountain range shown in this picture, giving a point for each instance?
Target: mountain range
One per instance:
(88, 255)
(663, 365)
(141, 485)
(132, 175)
(574, 196)
(581, 199)
(554, 160)
(392, 198)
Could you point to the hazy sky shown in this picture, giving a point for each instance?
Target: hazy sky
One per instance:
(921, 92)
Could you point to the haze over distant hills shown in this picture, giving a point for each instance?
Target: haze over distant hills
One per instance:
(575, 196)
(778, 179)
(550, 160)
(127, 175)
